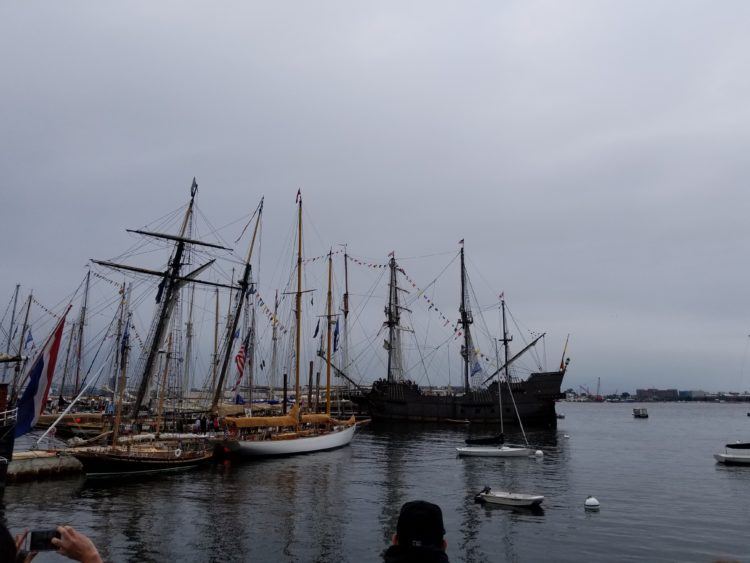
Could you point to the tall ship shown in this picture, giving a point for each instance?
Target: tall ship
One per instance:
(394, 398)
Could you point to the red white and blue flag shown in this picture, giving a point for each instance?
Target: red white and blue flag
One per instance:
(239, 360)
(40, 374)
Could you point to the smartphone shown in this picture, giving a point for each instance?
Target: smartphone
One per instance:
(41, 540)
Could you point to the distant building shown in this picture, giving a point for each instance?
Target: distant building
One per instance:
(657, 395)
(693, 395)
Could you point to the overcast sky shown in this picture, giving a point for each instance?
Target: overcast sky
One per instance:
(591, 154)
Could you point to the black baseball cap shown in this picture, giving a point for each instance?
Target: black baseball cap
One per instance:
(420, 524)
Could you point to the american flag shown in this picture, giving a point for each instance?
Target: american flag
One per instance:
(239, 361)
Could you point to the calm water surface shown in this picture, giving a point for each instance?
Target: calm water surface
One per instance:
(663, 497)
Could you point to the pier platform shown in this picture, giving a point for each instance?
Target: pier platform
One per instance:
(40, 464)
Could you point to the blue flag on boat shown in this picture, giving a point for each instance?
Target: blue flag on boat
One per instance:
(336, 337)
(40, 374)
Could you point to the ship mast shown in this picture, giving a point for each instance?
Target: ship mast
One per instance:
(345, 340)
(215, 357)
(393, 319)
(17, 369)
(250, 352)
(274, 338)
(298, 301)
(124, 352)
(466, 320)
(329, 315)
(163, 393)
(171, 282)
(67, 359)
(188, 346)
(244, 285)
(81, 324)
(10, 329)
(506, 340)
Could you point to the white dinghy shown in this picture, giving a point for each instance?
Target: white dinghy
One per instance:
(507, 498)
(735, 454)
(495, 451)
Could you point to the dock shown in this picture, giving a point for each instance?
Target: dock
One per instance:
(41, 464)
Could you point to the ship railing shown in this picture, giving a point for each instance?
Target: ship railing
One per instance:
(8, 416)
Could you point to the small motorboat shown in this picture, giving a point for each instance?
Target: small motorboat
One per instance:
(560, 415)
(735, 454)
(507, 498)
(495, 451)
(640, 413)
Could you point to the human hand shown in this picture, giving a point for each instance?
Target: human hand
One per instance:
(23, 555)
(76, 546)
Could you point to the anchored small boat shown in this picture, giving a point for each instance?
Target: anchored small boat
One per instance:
(735, 454)
(640, 413)
(495, 451)
(507, 498)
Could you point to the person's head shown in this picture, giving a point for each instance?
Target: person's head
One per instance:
(420, 524)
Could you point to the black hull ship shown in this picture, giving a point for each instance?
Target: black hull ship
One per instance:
(403, 401)
(397, 399)
(110, 461)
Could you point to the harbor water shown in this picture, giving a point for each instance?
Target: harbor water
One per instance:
(663, 497)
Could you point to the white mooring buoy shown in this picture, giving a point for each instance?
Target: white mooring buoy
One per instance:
(591, 503)
(539, 453)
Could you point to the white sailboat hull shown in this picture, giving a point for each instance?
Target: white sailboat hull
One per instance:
(494, 451)
(302, 445)
(511, 499)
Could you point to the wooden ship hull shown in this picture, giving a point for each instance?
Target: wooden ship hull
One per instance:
(103, 462)
(535, 399)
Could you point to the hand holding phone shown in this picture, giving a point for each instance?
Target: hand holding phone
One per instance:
(41, 540)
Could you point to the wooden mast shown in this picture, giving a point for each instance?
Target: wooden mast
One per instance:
(10, 329)
(465, 322)
(392, 313)
(17, 370)
(329, 316)
(81, 324)
(274, 338)
(168, 287)
(250, 353)
(124, 352)
(244, 285)
(118, 339)
(215, 362)
(189, 346)
(163, 393)
(298, 301)
(345, 341)
(67, 359)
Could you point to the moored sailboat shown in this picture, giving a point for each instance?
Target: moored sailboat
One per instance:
(151, 453)
(294, 432)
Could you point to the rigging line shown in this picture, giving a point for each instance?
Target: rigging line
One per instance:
(478, 271)
(534, 353)
(5, 314)
(421, 358)
(445, 253)
(425, 288)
